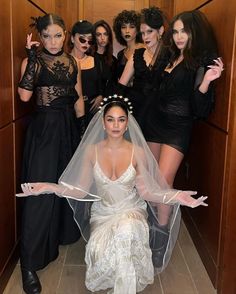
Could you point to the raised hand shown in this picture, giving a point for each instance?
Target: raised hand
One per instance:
(214, 71)
(28, 69)
(185, 198)
(30, 43)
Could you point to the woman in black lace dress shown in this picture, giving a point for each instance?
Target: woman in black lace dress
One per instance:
(53, 77)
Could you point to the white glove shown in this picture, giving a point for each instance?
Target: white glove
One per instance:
(67, 191)
(34, 189)
(185, 198)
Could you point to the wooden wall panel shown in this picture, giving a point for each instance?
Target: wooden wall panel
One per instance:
(183, 5)
(68, 10)
(105, 9)
(206, 175)
(211, 160)
(6, 106)
(139, 4)
(203, 171)
(7, 197)
(165, 5)
(94, 10)
(47, 5)
(225, 46)
(227, 255)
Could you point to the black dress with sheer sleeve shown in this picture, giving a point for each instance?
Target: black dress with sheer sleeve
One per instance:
(173, 108)
(51, 139)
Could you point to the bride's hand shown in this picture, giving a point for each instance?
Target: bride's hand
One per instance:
(185, 198)
(36, 189)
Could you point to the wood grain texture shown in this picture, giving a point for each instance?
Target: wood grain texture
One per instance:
(6, 105)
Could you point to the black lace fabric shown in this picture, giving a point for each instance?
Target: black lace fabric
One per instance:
(27, 81)
(56, 77)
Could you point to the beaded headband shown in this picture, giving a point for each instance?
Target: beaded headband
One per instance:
(116, 98)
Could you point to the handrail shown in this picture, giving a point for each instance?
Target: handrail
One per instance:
(203, 4)
(34, 4)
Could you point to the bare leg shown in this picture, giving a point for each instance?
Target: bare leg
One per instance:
(168, 158)
(169, 162)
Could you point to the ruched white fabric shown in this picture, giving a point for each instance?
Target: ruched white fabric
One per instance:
(118, 255)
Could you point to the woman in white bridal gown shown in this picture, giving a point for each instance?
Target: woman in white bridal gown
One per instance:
(115, 177)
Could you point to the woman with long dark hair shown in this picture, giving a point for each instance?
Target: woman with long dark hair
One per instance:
(185, 92)
(104, 58)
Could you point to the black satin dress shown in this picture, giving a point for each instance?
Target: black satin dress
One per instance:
(51, 139)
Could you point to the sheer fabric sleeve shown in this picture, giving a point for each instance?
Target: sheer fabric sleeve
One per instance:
(202, 103)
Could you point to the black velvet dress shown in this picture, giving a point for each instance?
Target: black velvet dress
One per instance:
(51, 139)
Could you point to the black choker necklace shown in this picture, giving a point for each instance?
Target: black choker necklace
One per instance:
(56, 54)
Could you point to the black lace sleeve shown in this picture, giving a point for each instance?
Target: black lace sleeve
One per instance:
(27, 81)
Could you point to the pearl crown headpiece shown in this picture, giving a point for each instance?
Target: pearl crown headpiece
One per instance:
(114, 98)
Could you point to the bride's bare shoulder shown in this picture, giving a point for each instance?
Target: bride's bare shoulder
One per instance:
(128, 144)
(91, 152)
(137, 149)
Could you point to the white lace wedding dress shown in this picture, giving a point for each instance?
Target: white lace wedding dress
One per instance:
(118, 255)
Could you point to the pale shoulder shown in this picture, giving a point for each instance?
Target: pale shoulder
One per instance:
(91, 152)
(139, 45)
(138, 152)
(102, 145)
(87, 63)
(90, 58)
